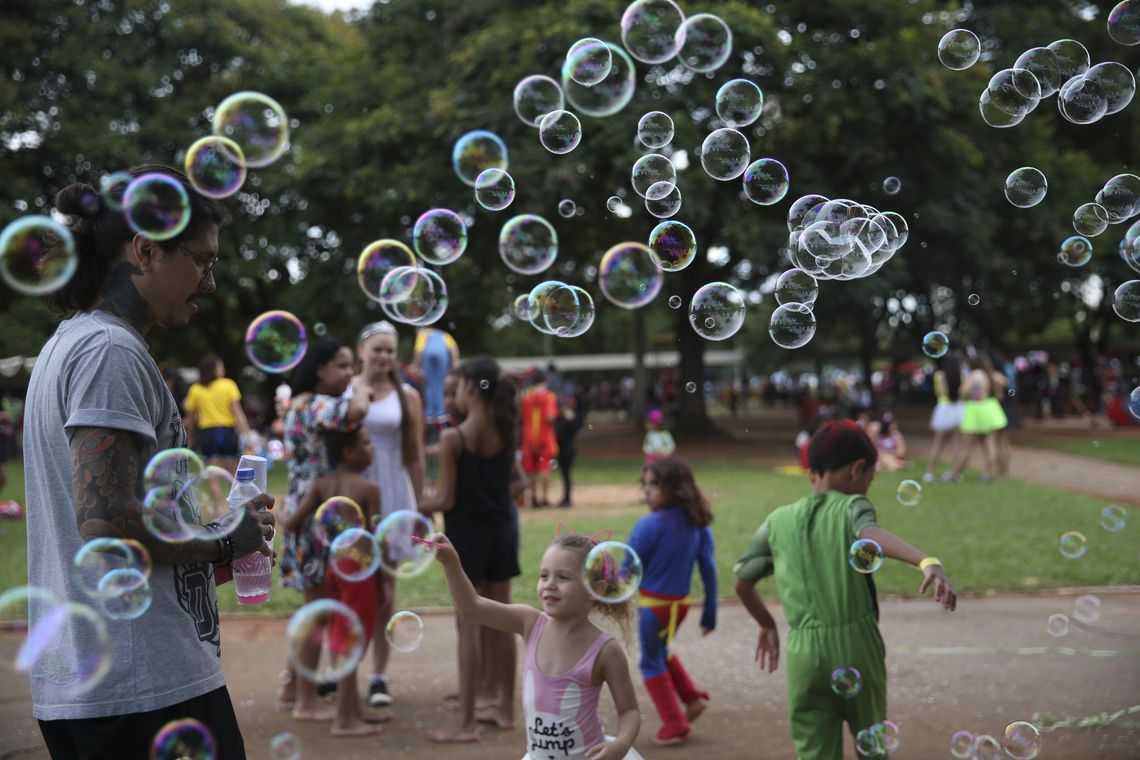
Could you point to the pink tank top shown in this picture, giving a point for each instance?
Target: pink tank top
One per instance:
(562, 717)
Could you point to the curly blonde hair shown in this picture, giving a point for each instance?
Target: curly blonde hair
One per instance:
(604, 579)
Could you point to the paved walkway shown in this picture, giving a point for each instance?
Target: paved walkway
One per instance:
(977, 669)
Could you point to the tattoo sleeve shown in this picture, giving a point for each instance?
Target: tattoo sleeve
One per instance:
(106, 468)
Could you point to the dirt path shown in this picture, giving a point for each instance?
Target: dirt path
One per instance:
(977, 669)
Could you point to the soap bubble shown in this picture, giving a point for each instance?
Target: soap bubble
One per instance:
(215, 166)
(567, 208)
(46, 651)
(332, 628)
(560, 132)
(739, 102)
(522, 308)
(440, 236)
(286, 746)
(1090, 219)
(494, 189)
(608, 96)
(1021, 740)
(796, 286)
(423, 298)
(171, 468)
(973, 299)
(567, 311)
(614, 205)
(1073, 544)
(257, 123)
(673, 245)
(865, 556)
(1081, 100)
(112, 187)
(124, 594)
(717, 311)
(935, 344)
(887, 734)
(1126, 301)
(37, 255)
(766, 181)
(653, 172)
(725, 154)
(962, 745)
(354, 554)
(792, 325)
(628, 275)
(183, 739)
(690, 387)
(1113, 518)
(867, 742)
(649, 30)
(404, 631)
(1116, 82)
(612, 572)
(401, 556)
(588, 61)
(1042, 63)
(1026, 187)
(1072, 58)
(986, 748)
(674, 302)
(665, 206)
(1057, 625)
(1124, 23)
(1086, 609)
(704, 42)
(846, 682)
(535, 96)
(377, 260)
(655, 130)
(1120, 197)
(959, 49)
(336, 515)
(528, 244)
(1076, 251)
(892, 185)
(275, 342)
(909, 493)
(157, 205)
(478, 151)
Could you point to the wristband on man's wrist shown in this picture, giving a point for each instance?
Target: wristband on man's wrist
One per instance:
(927, 562)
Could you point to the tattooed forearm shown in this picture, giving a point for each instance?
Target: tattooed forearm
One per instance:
(106, 468)
(122, 298)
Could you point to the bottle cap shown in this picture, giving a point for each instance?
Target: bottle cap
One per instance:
(245, 474)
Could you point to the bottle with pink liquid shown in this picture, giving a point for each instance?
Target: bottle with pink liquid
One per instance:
(253, 573)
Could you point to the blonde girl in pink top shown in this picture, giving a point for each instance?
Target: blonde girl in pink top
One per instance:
(568, 658)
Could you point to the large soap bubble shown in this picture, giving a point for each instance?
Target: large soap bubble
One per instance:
(608, 96)
(628, 275)
(257, 123)
(649, 30)
(612, 572)
(717, 311)
(37, 255)
(476, 151)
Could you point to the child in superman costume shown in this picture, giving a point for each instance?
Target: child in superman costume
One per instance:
(831, 609)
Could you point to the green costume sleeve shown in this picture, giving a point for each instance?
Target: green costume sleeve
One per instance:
(756, 562)
(860, 515)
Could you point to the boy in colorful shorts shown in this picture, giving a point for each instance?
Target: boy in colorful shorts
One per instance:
(832, 610)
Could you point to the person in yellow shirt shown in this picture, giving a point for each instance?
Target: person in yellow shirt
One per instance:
(214, 416)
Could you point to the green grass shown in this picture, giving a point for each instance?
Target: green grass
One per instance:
(996, 537)
(1123, 449)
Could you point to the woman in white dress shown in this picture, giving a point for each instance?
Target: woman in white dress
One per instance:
(395, 424)
(947, 416)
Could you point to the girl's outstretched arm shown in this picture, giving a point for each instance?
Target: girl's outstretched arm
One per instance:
(513, 618)
(615, 674)
(933, 575)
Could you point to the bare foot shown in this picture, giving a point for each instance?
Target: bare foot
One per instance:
(355, 728)
(504, 721)
(320, 713)
(459, 733)
(376, 716)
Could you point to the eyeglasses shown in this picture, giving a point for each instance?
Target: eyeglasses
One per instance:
(205, 260)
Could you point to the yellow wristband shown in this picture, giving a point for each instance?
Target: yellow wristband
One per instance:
(928, 562)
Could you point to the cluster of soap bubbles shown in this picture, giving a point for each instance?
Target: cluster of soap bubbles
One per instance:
(1020, 740)
(1085, 93)
(184, 499)
(877, 739)
(556, 308)
(115, 575)
(1117, 202)
(53, 623)
(389, 273)
(1073, 544)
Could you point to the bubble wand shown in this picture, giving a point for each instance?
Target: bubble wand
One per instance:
(433, 544)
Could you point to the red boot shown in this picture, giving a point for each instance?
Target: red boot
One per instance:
(674, 724)
(695, 701)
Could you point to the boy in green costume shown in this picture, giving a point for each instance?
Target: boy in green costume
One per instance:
(831, 609)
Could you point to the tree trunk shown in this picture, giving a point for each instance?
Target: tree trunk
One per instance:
(640, 376)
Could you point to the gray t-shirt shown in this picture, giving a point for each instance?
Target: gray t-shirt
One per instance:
(96, 371)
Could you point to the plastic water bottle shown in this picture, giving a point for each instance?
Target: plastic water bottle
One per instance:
(253, 573)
